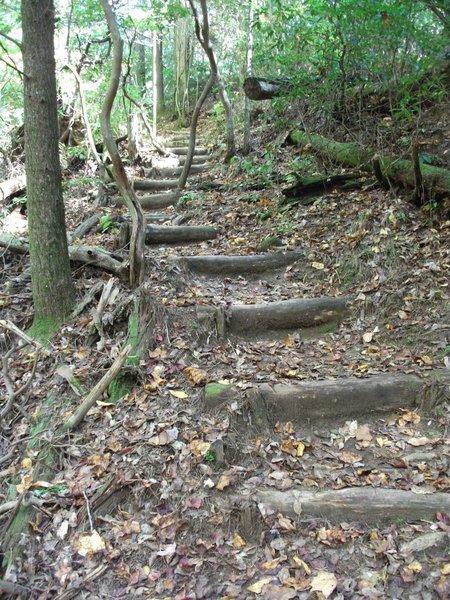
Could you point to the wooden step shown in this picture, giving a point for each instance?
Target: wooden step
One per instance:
(183, 150)
(237, 265)
(174, 171)
(363, 504)
(275, 317)
(344, 398)
(155, 184)
(170, 234)
(196, 160)
(154, 201)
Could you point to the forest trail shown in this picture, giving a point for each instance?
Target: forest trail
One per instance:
(299, 443)
(288, 432)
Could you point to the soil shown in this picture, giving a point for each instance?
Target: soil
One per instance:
(168, 487)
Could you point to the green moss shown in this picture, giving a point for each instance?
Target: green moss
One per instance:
(120, 387)
(214, 390)
(270, 242)
(43, 330)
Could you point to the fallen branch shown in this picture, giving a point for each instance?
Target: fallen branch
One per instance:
(435, 180)
(97, 257)
(73, 421)
(363, 504)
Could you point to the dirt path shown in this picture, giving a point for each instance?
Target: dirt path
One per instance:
(289, 438)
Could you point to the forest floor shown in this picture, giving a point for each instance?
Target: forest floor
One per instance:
(186, 522)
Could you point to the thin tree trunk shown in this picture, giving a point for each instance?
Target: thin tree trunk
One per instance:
(182, 66)
(193, 133)
(53, 292)
(158, 79)
(202, 33)
(248, 72)
(141, 74)
(84, 113)
(137, 242)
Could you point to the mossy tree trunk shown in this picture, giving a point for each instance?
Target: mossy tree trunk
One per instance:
(435, 180)
(53, 292)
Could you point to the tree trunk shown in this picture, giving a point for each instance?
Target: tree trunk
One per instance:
(158, 79)
(259, 88)
(248, 71)
(53, 293)
(202, 33)
(137, 243)
(435, 180)
(182, 65)
(141, 74)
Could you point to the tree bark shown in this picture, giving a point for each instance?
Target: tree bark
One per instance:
(248, 71)
(182, 45)
(435, 180)
(259, 88)
(53, 292)
(158, 79)
(202, 33)
(137, 242)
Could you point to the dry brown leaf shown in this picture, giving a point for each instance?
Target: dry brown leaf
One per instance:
(195, 375)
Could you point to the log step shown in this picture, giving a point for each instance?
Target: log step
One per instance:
(344, 398)
(182, 151)
(196, 160)
(364, 504)
(154, 184)
(169, 234)
(174, 171)
(276, 317)
(236, 265)
(154, 201)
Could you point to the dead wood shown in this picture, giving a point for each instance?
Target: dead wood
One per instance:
(435, 180)
(338, 399)
(174, 171)
(154, 184)
(236, 265)
(287, 314)
(89, 255)
(260, 88)
(154, 201)
(97, 391)
(184, 150)
(170, 234)
(12, 187)
(317, 185)
(364, 504)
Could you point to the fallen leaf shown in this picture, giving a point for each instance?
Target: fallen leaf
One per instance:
(418, 441)
(238, 542)
(301, 563)
(324, 582)
(350, 458)
(224, 481)
(367, 337)
(89, 543)
(178, 394)
(318, 265)
(414, 566)
(257, 587)
(195, 375)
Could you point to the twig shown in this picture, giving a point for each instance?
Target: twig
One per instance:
(86, 300)
(88, 510)
(14, 588)
(91, 576)
(73, 421)
(98, 314)
(13, 395)
(14, 329)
